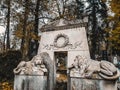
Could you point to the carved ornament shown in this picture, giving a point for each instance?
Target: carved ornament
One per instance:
(65, 43)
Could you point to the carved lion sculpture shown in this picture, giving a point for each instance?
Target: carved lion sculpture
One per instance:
(87, 68)
(35, 66)
(23, 68)
(41, 62)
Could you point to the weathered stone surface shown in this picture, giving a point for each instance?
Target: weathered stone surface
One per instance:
(63, 24)
(24, 82)
(31, 75)
(35, 71)
(91, 84)
(33, 67)
(86, 68)
(77, 43)
(69, 39)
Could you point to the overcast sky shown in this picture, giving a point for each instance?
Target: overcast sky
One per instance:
(2, 29)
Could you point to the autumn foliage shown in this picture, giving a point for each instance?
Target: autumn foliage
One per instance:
(114, 32)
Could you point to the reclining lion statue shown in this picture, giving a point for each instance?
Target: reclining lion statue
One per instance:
(35, 66)
(39, 65)
(86, 68)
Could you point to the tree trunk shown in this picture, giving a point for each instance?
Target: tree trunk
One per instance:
(34, 43)
(8, 25)
(94, 34)
(25, 39)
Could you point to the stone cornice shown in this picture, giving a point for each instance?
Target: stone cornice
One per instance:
(47, 28)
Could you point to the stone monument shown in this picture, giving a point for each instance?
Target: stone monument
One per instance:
(63, 40)
(31, 75)
(62, 36)
(64, 55)
(87, 74)
(66, 43)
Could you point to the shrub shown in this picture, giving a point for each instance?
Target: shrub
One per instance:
(8, 61)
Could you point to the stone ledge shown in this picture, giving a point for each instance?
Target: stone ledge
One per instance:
(62, 24)
(29, 82)
(91, 84)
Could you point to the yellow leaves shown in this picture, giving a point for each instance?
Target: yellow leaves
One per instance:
(115, 6)
(30, 26)
(110, 18)
(114, 32)
(18, 33)
(35, 37)
(29, 32)
(31, 35)
(6, 86)
(104, 0)
(115, 38)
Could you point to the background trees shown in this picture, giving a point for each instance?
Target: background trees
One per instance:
(114, 26)
(24, 18)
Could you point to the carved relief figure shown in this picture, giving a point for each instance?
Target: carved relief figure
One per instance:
(86, 68)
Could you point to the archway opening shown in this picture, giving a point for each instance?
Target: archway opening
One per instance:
(61, 70)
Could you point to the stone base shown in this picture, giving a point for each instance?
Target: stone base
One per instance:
(91, 84)
(23, 82)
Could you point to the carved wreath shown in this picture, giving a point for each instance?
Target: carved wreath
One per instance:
(66, 40)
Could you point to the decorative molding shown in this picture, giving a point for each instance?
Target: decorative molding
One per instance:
(62, 25)
(68, 47)
(66, 40)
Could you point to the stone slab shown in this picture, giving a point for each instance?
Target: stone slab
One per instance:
(24, 82)
(91, 84)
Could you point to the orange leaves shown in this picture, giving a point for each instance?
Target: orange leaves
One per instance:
(115, 6)
(35, 37)
(114, 32)
(6, 86)
(29, 32)
(18, 33)
(115, 38)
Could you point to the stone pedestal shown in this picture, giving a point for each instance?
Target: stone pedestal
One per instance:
(91, 84)
(27, 82)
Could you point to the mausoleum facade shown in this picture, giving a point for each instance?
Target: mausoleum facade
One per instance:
(62, 36)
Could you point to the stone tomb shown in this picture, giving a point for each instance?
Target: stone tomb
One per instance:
(63, 37)
(64, 55)
(31, 75)
(63, 40)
